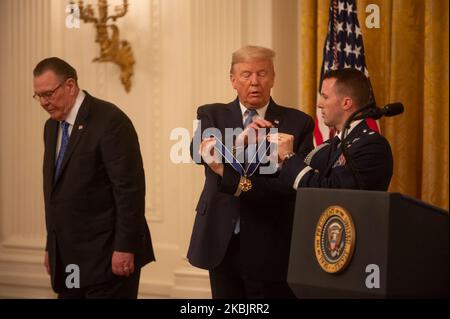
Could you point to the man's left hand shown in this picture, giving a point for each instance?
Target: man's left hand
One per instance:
(210, 156)
(122, 263)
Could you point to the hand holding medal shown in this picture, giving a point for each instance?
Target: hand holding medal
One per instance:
(211, 157)
(212, 149)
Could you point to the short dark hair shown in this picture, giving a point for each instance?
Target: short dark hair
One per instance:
(353, 83)
(60, 67)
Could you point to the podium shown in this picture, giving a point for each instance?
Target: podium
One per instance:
(367, 244)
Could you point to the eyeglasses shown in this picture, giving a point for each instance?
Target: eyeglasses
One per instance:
(48, 95)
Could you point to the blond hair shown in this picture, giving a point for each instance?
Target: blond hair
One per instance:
(252, 52)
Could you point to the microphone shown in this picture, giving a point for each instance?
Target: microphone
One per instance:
(375, 113)
(370, 110)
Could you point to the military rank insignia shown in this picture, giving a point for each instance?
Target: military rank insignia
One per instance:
(340, 161)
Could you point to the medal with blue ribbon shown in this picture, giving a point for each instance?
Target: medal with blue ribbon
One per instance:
(245, 172)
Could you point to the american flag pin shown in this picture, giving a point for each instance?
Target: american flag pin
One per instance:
(80, 127)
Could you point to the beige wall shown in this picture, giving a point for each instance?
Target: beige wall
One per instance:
(182, 49)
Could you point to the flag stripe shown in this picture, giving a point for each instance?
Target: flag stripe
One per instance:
(343, 48)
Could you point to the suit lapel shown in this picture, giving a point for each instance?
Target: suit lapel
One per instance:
(274, 114)
(51, 135)
(77, 131)
(235, 114)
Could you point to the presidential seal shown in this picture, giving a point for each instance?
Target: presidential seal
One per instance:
(334, 239)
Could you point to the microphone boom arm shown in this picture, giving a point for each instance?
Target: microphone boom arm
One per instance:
(353, 117)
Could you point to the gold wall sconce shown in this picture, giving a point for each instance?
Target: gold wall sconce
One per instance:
(111, 48)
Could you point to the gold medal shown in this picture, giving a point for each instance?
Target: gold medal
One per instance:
(245, 184)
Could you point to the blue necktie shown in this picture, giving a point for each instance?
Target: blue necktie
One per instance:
(62, 149)
(248, 120)
(250, 151)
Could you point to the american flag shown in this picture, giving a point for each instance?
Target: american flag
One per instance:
(344, 48)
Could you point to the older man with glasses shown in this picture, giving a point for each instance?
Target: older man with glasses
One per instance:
(94, 190)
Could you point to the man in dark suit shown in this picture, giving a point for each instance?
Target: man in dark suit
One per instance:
(94, 190)
(367, 165)
(244, 243)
